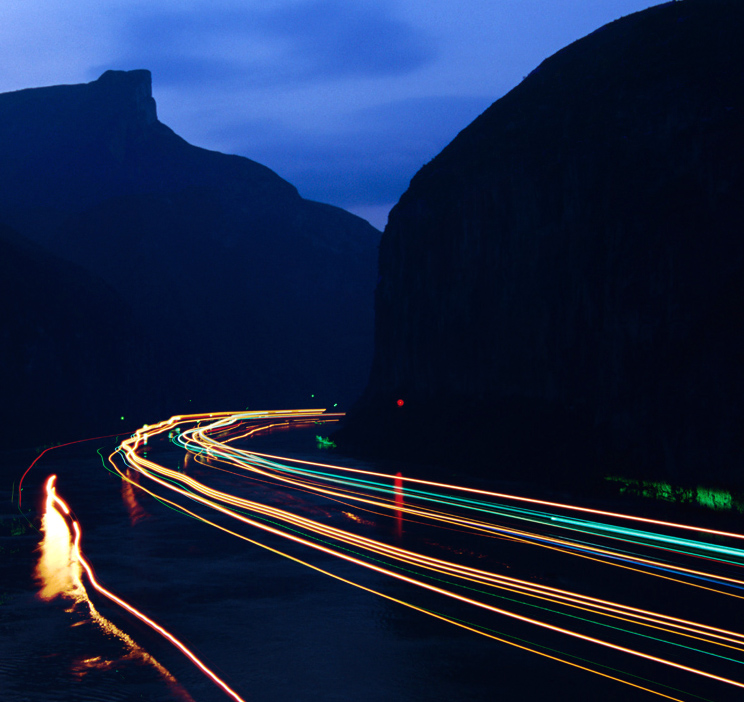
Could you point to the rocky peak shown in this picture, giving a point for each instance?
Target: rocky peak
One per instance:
(89, 174)
(130, 91)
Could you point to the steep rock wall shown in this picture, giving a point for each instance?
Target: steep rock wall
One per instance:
(567, 274)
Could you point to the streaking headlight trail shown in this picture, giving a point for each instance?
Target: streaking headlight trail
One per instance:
(60, 569)
(469, 557)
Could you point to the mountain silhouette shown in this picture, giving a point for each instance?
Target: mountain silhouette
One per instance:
(561, 288)
(244, 293)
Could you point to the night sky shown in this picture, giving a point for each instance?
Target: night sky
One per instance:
(345, 99)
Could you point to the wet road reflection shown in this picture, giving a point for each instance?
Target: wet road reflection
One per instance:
(59, 571)
(650, 605)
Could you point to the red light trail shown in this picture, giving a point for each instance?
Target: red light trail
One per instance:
(691, 559)
(60, 569)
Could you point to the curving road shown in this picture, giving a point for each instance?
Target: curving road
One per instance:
(646, 603)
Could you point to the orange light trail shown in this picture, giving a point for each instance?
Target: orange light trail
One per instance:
(710, 562)
(405, 556)
(201, 440)
(237, 459)
(504, 496)
(409, 605)
(432, 588)
(53, 498)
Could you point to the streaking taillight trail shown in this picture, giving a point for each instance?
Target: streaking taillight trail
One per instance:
(60, 569)
(698, 560)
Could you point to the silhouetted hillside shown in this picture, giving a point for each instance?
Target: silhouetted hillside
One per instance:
(71, 354)
(561, 289)
(251, 295)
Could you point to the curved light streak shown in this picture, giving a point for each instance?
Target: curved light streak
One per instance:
(605, 539)
(55, 521)
(450, 507)
(59, 572)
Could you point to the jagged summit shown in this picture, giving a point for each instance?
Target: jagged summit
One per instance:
(67, 147)
(134, 77)
(131, 89)
(247, 293)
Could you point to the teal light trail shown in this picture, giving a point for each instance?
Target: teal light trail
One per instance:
(650, 536)
(377, 521)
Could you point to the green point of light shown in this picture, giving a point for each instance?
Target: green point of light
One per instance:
(122, 418)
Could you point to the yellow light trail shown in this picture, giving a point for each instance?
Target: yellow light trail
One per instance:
(214, 494)
(408, 557)
(221, 439)
(55, 586)
(481, 526)
(199, 438)
(408, 604)
(214, 441)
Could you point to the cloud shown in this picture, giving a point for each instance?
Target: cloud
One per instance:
(289, 44)
(345, 38)
(370, 160)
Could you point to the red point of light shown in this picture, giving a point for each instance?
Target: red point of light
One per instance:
(400, 403)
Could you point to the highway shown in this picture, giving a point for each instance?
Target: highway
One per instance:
(654, 606)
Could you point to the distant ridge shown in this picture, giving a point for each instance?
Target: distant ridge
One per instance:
(561, 289)
(247, 294)
(67, 147)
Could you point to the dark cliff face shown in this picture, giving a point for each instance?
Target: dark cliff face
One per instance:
(248, 294)
(71, 353)
(567, 274)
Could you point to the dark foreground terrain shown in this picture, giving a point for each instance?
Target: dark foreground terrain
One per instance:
(274, 629)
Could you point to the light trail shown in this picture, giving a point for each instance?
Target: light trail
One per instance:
(524, 515)
(59, 579)
(339, 482)
(59, 572)
(419, 583)
(216, 499)
(153, 625)
(609, 544)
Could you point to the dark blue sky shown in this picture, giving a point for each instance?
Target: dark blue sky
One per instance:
(346, 99)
